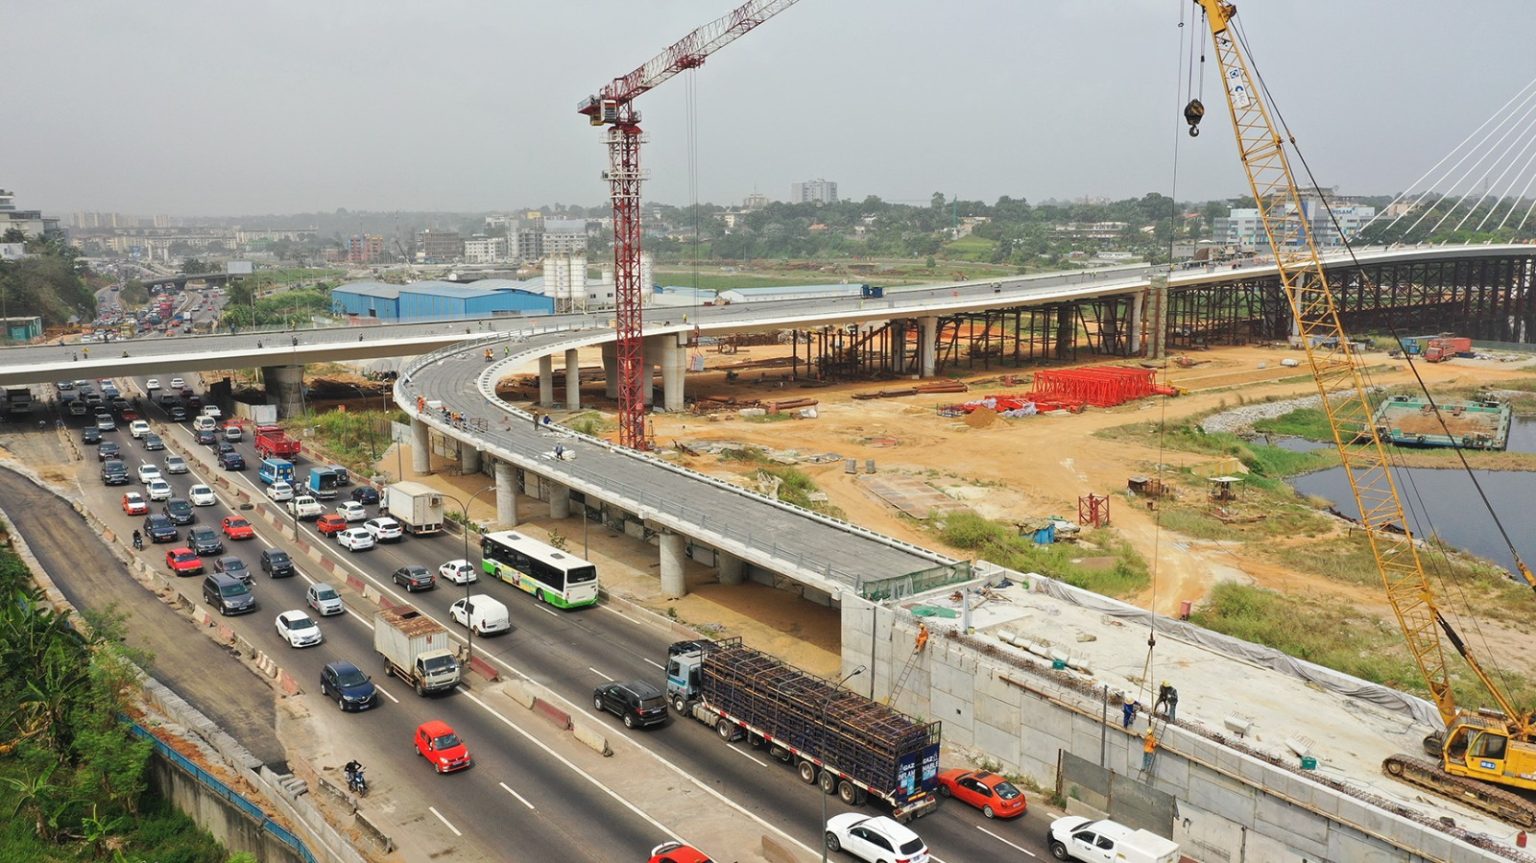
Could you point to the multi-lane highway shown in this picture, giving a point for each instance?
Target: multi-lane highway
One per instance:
(570, 653)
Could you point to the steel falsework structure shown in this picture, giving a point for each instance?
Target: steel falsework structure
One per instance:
(614, 106)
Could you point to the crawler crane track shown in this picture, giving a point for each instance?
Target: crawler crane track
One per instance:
(1500, 803)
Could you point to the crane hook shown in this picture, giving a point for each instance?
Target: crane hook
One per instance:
(1194, 112)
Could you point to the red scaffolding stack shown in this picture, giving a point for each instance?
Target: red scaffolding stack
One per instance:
(1099, 386)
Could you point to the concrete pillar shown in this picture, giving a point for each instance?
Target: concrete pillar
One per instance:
(546, 381)
(1137, 300)
(559, 500)
(898, 345)
(1157, 316)
(674, 359)
(649, 351)
(732, 569)
(611, 370)
(469, 459)
(421, 447)
(927, 346)
(572, 381)
(673, 553)
(285, 388)
(506, 496)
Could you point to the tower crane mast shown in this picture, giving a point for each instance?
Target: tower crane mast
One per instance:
(1494, 746)
(613, 106)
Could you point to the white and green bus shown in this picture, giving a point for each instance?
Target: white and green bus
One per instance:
(554, 576)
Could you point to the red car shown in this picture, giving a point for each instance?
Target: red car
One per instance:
(677, 852)
(994, 795)
(330, 524)
(135, 504)
(183, 561)
(236, 527)
(436, 742)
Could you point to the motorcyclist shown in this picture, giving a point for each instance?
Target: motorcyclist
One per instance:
(138, 541)
(488, 354)
(354, 772)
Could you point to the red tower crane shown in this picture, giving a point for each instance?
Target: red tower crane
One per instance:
(614, 106)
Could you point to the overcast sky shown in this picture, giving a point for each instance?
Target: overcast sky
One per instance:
(273, 106)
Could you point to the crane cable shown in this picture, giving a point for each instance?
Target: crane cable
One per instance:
(692, 90)
(1421, 511)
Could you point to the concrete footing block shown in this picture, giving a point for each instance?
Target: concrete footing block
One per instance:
(519, 691)
(593, 738)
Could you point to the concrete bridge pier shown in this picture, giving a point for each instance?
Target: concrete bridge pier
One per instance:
(1137, 300)
(547, 381)
(421, 447)
(559, 500)
(285, 388)
(927, 346)
(610, 370)
(899, 346)
(469, 459)
(674, 358)
(506, 496)
(673, 553)
(732, 569)
(1157, 315)
(572, 381)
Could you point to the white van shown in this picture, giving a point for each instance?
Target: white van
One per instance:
(481, 613)
(1077, 838)
(203, 423)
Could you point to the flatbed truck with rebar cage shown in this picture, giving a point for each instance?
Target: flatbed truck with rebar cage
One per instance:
(841, 741)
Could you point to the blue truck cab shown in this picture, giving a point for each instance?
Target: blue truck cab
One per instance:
(275, 469)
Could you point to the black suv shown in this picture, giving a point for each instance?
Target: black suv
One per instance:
(159, 529)
(90, 435)
(179, 511)
(228, 595)
(153, 443)
(366, 495)
(107, 449)
(231, 460)
(276, 563)
(177, 413)
(637, 703)
(114, 472)
(414, 577)
(205, 541)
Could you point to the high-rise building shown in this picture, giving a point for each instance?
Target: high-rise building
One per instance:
(757, 201)
(525, 241)
(1243, 228)
(813, 192)
(365, 249)
(440, 245)
(565, 236)
(30, 222)
(485, 250)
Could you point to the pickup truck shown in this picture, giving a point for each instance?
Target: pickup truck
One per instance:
(306, 507)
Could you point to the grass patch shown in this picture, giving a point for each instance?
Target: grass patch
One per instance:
(355, 438)
(1001, 544)
(970, 248)
(591, 423)
(768, 418)
(797, 487)
(1309, 423)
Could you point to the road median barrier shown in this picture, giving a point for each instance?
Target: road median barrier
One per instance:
(594, 739)
(555, 715)
(519, 691)
(357, 584)
(328, 565)
(369, 829)
(484, 669)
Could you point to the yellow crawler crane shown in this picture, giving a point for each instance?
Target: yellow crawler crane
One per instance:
(1479, 750)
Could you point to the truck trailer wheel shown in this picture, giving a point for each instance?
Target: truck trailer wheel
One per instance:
(725, 729)
(828, 782)
(807, 772)
(849, 793)
(679, 704)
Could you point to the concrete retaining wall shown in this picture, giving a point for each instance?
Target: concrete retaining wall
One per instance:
(230, 826)
(1231, 806)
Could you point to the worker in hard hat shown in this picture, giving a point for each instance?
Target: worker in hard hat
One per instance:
(1167, 701)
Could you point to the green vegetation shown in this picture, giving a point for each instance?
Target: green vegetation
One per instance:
(291, 308)
(72, 777)
(795, 486)
(356, 438)
(1333, 634)
(1309, 423)
(1116, 571)
(970, 248)
(591, 423)
(49, 283)
(133, 294)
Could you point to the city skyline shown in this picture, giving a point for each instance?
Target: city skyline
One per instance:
(470, 108)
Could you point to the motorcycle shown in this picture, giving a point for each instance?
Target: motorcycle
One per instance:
(357, 783)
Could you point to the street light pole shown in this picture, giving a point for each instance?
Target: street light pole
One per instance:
(469, 623)
(824, 702)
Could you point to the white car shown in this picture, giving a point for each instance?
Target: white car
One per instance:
(177, 383)
(383, 529)
(306, 507)
(280, 491)
(354, 539)
(212, 411)
(298, 629)
(138, 428)
(458, 571)
(874, 839)
(158, 489)
(175, 464)
(324, 599)
(202, 495)
(152, 384)
(351, 510)
(148, 472)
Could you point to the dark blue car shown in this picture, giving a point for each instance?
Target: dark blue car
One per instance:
(231, 460)
(345, 682)
(366, 495)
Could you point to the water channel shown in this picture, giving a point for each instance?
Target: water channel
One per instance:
(1455, 513)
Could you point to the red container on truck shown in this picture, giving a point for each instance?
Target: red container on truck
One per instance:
(273, 442)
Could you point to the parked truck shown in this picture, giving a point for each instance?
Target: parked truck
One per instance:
(275, 470)
(273, 442)
(18, 399)
(419, 508)
(416, 649)
(323, 482)
(836, 738)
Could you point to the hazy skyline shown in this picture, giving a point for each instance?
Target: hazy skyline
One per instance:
(279, 107)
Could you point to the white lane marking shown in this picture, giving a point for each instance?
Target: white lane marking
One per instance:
(385, 693)
(1004, 841)
(360, 619)
(600, 674)
(575, 769)
(747, 755)
(548, 611)
(433, 810)
(654, 662)
(515, 794)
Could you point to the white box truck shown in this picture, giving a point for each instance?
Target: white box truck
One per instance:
(1103, 841)
(416, 649)
(418, 507)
